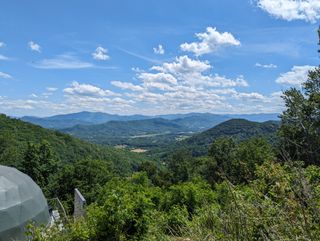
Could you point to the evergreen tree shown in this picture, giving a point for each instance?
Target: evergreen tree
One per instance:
(300, 129)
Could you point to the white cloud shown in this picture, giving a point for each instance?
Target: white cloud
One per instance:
(159, 49)
(51, 89)
(34, 46)
(146, 58)
(100, 54)
(2, 44)
(183, 64)
(87, 90)
(307, 10)
(64, 61)
(254, 96)
(5, 75)
(157, 77)
(266, 66)
(126, 85)
(222, 81)
(296, 76)
(190, 72)
(2, 57)
(186, 84)
(210, 42)
(33, 95)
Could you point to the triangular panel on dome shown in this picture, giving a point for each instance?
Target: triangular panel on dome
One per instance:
(21, 201)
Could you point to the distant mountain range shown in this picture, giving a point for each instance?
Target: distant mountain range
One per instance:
(192, 121)
(163, 134)
(80, 118)
(127, 132)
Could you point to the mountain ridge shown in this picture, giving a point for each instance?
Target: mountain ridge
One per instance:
(196, 121)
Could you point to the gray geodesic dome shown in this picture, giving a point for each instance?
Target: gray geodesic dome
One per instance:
(21, 201)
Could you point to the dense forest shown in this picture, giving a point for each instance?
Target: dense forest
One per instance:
(238, 186)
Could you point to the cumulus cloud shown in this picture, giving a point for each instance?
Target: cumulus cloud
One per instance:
(64, 61)
(5, 75)
(183, 64)
(77, 89)
(185, 84)
(159, 49)
(126, 85)
(307, 10)
(296, 76)
(190, 72)
(157, 77)
(266, 66)
(34, 46)
(209, 42)
(100, 54)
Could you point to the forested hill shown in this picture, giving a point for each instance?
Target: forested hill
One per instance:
(118, 132)
(15, 135)
(239, 129)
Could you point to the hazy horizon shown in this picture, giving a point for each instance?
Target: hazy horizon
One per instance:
(155, 115)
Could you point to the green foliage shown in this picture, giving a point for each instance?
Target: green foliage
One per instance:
(178, 166)
(89, 176)
(40, 163)
(300, 128)
(158, 176)
(176, 220)
(276, 206)
(237, 162)
(191, 195)
(123, 211)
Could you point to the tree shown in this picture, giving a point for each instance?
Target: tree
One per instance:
(89, 176)
(178, 165)
(39, 162)
(223, 152)
(300, 129)
(237, 162)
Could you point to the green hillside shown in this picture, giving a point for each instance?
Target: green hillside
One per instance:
(16, 134)
(239, 129)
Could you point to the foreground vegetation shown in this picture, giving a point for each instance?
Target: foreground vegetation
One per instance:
(239, 190)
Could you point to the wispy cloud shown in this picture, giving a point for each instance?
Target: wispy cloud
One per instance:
(266, 66)
(51, 89)
(2, 57)
(2, 44)
(146, 58)
(5, 75)
(63, 61)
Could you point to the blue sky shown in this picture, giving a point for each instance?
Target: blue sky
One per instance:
(153, 57)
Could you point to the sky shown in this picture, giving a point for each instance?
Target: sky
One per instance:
(154, 57)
